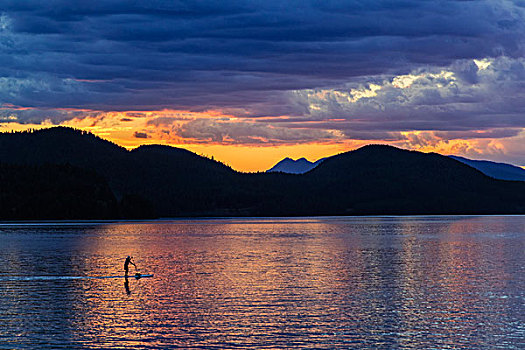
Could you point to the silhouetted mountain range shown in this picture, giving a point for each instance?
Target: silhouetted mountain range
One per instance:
(290, 166)
(83, 176)
(501, 171)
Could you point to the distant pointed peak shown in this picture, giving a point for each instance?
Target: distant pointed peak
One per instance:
(285, 160)
(288, 165)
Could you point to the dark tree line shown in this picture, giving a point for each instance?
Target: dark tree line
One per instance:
(62, 173)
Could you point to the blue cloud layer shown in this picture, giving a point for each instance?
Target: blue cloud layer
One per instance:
(122, 55)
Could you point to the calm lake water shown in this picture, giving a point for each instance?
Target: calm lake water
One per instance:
(366, 283)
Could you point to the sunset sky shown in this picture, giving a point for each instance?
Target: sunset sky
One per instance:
(251, 82)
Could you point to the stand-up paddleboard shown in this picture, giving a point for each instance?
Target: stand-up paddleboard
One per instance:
(51, 278)
(139, 275)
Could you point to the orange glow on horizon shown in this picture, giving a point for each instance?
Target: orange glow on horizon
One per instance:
(253, 159)
(133, 129)
(239, 157)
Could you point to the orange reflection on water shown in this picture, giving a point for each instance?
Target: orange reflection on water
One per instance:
(274, 272)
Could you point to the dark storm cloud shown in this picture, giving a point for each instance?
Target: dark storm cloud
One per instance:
(489, 134)
(36, 116)
(427, 99)
(166, 121)
(238, 56)
(140, 135)
(231, 132)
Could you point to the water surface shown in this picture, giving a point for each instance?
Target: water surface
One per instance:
(366, 282)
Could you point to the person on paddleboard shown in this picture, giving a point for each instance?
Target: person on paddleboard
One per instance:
(127, 262)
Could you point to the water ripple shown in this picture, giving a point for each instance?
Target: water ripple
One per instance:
(363, 283)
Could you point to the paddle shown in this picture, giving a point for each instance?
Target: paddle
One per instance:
(137, 272)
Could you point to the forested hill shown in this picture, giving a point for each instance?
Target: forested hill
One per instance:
(383, 179)
(161, 181)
